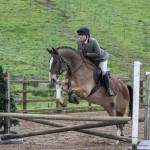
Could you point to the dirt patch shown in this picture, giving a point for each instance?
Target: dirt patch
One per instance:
(70, 140)
(46, 3)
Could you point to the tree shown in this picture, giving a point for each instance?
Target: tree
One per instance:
(3, 101)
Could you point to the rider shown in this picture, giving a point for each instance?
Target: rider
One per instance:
(91, 49)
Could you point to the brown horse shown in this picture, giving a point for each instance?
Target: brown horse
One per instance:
(80, 81)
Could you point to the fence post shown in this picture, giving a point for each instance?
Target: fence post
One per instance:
(147, 111)
(24, 95)
(135, 115)
(7, 102)
(90, 106)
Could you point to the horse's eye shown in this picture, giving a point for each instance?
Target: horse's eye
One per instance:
(55, 61)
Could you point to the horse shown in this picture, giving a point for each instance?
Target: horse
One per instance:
(79, 79)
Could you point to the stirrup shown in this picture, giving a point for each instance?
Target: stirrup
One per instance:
(110, 93)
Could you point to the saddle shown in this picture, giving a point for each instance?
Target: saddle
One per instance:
(98, 78)
(97, 75)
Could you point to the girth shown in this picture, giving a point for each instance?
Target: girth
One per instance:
(96, 87)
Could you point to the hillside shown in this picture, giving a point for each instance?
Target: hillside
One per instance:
(28, 27)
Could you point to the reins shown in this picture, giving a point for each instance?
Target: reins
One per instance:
(71, 66)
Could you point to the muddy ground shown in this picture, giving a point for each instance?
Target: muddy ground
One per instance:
(70, 140)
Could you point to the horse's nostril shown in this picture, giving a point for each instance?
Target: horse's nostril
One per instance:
(53, 81)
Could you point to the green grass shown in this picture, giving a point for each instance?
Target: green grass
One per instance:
(27, 28)
(121, 27)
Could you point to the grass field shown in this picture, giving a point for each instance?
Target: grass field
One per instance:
(28, 27)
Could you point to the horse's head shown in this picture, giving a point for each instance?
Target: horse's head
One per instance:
(57, 65)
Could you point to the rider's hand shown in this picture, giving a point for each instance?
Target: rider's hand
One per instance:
(84, 54)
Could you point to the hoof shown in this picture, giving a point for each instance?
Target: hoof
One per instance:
(70, 101)
(117, 142)
(76, 101)
(73, 100)
(64, 104)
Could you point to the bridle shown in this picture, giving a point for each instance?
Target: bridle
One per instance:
(62, 59)
(59, 71)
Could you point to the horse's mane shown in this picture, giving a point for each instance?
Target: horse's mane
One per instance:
(87, 61)
(70, 48)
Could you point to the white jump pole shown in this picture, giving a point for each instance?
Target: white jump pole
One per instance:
(147, 110)
(135, 115)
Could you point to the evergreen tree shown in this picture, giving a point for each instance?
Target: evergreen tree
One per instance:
(3, 100)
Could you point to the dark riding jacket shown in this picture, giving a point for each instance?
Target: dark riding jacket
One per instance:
(93, 51)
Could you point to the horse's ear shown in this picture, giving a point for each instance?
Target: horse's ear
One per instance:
(50, 50)
(54, 50)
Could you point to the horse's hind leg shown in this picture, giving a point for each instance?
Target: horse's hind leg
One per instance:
(111, 110)
(120, 128)
(119, 131)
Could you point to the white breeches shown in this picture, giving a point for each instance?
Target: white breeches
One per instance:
(103, 66)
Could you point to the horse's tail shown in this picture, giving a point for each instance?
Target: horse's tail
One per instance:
(130, 89)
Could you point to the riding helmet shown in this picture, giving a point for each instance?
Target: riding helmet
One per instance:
(83, 31)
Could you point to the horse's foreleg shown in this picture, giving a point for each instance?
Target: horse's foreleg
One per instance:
(72, 99)
(64, 87)
(80, 92)
(62, 102)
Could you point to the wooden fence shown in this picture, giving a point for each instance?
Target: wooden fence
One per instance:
(25, 100)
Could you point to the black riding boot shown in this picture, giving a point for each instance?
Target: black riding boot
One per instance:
(107, 85)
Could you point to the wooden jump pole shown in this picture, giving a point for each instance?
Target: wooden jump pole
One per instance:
(87, 131)
(63, 117)
(63, 129)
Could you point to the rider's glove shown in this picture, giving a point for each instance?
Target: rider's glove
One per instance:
(84, 53)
